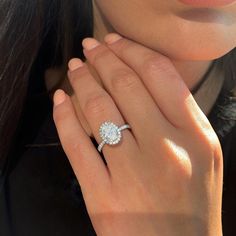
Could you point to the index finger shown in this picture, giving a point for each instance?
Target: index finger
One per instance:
(162, 80)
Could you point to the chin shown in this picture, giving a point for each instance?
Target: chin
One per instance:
(198, 52)
(191, 42)
(189, 48)
(197, 44)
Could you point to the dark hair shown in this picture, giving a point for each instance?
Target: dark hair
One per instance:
(35, 35)
(39, 34)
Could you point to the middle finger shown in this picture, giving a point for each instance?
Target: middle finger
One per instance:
(123, 84)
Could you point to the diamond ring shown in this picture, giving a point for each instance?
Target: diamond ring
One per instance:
(110, 133)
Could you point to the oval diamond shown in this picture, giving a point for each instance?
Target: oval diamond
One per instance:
(110, 133)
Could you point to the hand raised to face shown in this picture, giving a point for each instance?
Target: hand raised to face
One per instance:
(165, 176)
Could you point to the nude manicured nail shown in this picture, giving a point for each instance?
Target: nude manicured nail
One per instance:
(75, 63)
(59, 97)
(90, 43)
(112, 38)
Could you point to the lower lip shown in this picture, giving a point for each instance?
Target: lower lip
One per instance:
(208, 3)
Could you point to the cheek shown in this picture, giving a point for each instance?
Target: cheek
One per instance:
(198, 41)
(168, 33)
(128, 17)
(123, 15)
(180, 39)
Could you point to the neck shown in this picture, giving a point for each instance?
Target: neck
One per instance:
(192, 72)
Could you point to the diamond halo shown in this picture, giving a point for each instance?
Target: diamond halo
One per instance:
(110, 133)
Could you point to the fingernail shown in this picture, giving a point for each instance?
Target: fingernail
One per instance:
(75, 63)
(112, 38)
(59, 97)
(90, 43)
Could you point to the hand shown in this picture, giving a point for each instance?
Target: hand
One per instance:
(165, 176)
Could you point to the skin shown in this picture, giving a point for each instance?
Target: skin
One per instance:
(188, 26)
(166, 25)
(174, 162)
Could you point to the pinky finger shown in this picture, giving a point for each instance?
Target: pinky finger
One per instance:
(85, 160)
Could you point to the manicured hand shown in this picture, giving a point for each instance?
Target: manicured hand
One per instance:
(165, 176)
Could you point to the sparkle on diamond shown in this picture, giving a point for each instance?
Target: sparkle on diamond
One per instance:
(110, 133)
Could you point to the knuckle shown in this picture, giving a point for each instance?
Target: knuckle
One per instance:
(96, 104)
(123, 45)
(78, 73)
(210, 143)
(123, 79)
(215, 147)
(72, 145)
(60, 115)
(210, 138)
(180, 159)
(100, 55)
(218, 157)
(154, 63)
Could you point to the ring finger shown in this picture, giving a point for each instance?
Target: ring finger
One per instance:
(98, 107)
